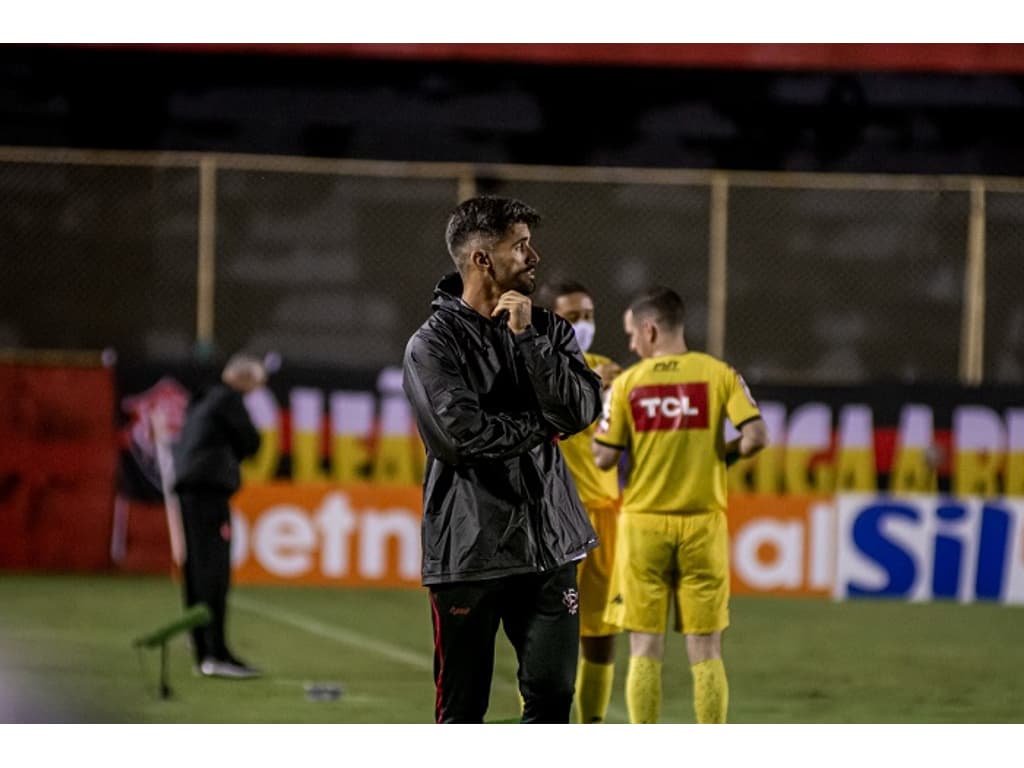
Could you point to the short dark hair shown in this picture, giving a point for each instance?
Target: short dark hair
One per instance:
(489, 215)
(661, 305)
(549, 292)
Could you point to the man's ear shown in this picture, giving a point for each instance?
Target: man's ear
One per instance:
(480, 259)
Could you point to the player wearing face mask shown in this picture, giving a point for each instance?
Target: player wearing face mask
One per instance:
(599, 492)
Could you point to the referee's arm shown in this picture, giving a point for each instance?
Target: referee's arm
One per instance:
(753, 437)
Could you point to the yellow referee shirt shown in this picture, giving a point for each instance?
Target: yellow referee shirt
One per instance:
(669, 412)
(597, 487)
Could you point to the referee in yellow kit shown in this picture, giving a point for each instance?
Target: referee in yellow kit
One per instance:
(668, 411)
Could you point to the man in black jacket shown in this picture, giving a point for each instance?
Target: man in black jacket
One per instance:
(494, 382)
(216, 436)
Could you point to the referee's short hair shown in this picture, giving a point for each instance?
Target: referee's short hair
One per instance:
(662, 306)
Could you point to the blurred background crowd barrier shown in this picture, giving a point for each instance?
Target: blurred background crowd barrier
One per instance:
(795, 278)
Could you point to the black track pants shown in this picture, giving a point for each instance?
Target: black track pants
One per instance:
(540, 616)
(207, 521)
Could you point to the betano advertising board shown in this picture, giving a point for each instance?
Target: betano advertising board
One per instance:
(914, 547)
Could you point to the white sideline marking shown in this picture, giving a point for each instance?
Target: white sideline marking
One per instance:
(362, 642)
(338, 634)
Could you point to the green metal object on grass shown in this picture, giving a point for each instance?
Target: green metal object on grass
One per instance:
(196, 616)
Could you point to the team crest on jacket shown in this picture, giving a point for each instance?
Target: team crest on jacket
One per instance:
(571, 598)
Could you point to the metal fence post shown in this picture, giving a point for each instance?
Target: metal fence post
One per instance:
(207, 256)
(972, 328)
(718, 263)
(466, 185)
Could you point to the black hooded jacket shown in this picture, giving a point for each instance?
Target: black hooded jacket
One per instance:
(490, 405)
(216, 436)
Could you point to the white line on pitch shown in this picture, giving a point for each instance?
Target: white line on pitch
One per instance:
(338, 634)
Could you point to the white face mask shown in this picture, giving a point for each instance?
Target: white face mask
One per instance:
(584, 333)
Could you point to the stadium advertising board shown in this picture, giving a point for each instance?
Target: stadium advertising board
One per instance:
(369, 535)
(782, 545)
(924, 440)
(914, 547)
(340, 452)
(354, 535)
(322, 425)
(924, 547)
(58, 456)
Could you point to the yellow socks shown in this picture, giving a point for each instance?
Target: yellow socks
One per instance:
(643, 689)
(710, 691)
(593, 690)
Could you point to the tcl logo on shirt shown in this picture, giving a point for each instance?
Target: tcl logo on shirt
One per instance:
(666, 407)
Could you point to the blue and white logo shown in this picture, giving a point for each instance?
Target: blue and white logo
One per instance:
(922, 547)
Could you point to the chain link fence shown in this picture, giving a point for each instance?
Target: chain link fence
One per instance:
(324, 268)
(845, 285)
(817, 280)
(1004, 286)
(98, 256)
(618, 239)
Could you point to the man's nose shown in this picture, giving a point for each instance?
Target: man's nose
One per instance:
(532, 255)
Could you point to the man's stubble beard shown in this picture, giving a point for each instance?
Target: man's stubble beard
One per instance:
(527, 284)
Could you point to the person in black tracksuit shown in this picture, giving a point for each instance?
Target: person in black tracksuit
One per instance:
(216, 436)
(494, 382)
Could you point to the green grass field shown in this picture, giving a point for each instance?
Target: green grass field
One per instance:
(66, 656)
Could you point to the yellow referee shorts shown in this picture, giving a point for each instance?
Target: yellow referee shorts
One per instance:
(678, 557)
(594, 573)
